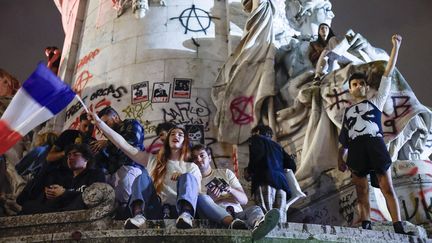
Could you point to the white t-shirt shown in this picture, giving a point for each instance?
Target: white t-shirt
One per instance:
(169, 191)
(232, 181)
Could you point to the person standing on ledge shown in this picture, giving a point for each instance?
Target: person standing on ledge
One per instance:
(362, 137)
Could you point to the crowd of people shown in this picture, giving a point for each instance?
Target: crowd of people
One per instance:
(173, 180)
(176, 180)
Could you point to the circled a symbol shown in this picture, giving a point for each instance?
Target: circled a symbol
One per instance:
(242, 110)
(194, 19)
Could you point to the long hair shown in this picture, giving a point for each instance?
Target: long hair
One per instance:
(158, 174)
(13, 83)
(330, 35)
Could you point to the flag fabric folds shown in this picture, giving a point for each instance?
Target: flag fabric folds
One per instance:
(40, 98)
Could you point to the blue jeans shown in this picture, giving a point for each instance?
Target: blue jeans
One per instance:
(208, 209)
(143, 190)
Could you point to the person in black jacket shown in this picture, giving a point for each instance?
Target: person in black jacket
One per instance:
(267, 161)
(122, 170)
(60, 190)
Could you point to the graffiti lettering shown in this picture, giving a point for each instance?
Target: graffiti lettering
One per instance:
(116, 93)
(242, 110)
(397, 105)
(390, 123)
(336, 95)
(416, 204)
(347, 206)
(87, 58)
(93, 107)
(400, 108)
(148, 127)
(136, 111)
(186, 113)
(74, 108)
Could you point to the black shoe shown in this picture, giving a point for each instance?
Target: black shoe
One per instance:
(136, 222)
(366, 224)
(238, 224)
(399, 229)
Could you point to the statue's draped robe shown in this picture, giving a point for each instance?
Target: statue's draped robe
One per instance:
(247, 78)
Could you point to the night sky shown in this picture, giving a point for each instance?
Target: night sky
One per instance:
(27, 27)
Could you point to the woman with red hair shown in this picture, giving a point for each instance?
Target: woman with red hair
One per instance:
(168, 187)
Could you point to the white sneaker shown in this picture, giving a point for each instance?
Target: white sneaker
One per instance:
(266, 224)
(184, 221)
(237, 224)
(136, 222)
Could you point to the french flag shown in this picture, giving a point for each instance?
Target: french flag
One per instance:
(40, 98)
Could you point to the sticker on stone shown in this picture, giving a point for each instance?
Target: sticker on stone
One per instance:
(182, 88)
(196, 133)
(140, 92)
(160, 92)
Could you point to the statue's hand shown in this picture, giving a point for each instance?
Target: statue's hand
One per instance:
(284, 114)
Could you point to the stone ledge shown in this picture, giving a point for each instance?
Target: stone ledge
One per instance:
(99, 197)
(289, 232)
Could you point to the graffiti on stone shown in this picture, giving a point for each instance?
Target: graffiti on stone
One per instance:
(81, 81)
(401, 107)
(195, 19)
(149, 128)
(110, 90)
(337, 100)
(347, 207)
(137, 111)
(87, 58)
(184, 113)
(242, 110)
(94, 107)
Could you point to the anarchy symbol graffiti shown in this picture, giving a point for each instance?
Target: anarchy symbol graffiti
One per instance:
(195, 19)
(242, 110)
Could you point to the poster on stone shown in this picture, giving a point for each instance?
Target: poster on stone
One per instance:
(161, 92)
(182, 88)
(196, 133)
(140, 92)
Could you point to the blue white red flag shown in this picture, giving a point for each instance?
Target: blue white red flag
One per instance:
(40, 98)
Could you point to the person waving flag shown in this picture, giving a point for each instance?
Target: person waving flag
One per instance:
(40, 98)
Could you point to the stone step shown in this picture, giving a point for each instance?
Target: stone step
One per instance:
(165, 231)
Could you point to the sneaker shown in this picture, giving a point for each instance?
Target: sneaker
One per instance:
(184, 221)
(266, 224)
(238, 224)
(135, 223)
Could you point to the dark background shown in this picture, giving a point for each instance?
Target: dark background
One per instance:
(27, 27)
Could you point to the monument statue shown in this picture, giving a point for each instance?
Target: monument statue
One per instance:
(306, 115)
(247, 77)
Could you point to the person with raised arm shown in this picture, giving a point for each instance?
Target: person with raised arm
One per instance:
(167, 182)
(361, 137)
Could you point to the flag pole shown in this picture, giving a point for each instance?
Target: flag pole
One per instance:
(82, 103)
